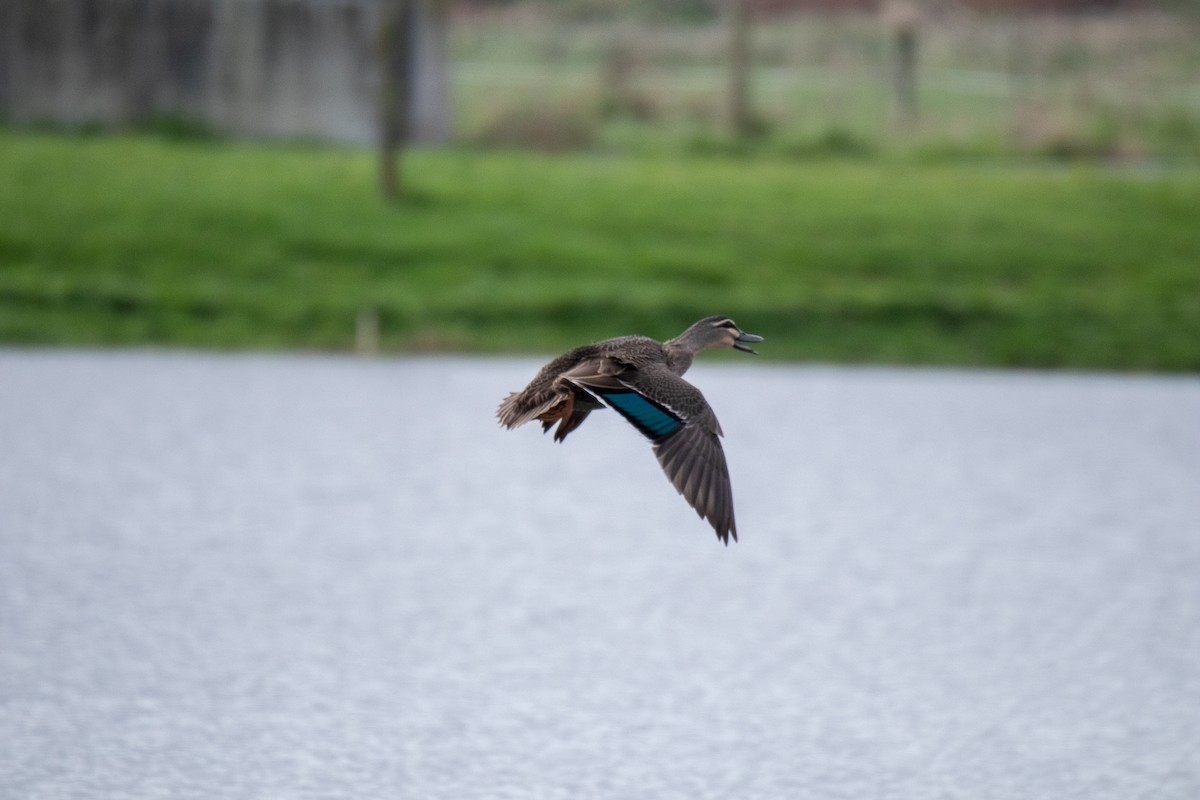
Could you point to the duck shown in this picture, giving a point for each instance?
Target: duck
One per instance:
(641, 379)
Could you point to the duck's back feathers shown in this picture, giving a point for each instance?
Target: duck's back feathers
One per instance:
(548, 389)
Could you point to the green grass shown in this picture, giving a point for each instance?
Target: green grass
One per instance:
(136, 240)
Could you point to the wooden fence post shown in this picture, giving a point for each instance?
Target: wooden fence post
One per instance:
(396, 40)
(902, 19)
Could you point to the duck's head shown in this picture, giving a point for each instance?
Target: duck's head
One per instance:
(716, 331)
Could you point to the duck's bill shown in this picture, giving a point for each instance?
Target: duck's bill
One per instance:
(740, 342)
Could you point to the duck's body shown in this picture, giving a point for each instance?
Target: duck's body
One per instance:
(640, 378)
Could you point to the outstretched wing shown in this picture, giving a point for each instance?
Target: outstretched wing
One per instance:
(693, 460)
(683, 429)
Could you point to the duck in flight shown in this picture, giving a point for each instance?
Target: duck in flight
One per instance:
(640, 379)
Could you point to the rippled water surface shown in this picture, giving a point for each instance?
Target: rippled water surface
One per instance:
(316, 577)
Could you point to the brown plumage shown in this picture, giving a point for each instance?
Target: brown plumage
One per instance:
(640, 378)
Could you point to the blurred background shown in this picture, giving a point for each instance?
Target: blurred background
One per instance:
(270, 575)
(1002, 182)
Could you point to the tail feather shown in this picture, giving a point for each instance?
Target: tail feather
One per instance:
(516, 409)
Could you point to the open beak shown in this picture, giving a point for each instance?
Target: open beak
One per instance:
(746, 337)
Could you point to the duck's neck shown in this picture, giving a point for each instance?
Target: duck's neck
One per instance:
(679, 356)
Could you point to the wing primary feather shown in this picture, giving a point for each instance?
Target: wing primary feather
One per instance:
(712, 490)
(683, 471)
(725, 512)
(669, 457)
(704, 480)
(723, 507)
(716, 494)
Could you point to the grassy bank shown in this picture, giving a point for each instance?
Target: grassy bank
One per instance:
(139, 240)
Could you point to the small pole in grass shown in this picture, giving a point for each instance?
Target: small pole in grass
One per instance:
(902, 18)
(366, 332)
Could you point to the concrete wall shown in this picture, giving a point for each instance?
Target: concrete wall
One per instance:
(245, 67)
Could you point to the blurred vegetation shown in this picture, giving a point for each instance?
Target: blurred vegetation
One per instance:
(652, 78)
(183, 241)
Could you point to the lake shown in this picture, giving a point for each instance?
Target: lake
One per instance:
(306, 576)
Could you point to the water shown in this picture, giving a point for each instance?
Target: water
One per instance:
(319, 577)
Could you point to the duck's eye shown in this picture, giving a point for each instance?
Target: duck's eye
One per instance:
(727, 324)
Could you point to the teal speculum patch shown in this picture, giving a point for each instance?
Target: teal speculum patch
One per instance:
(653, 420)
